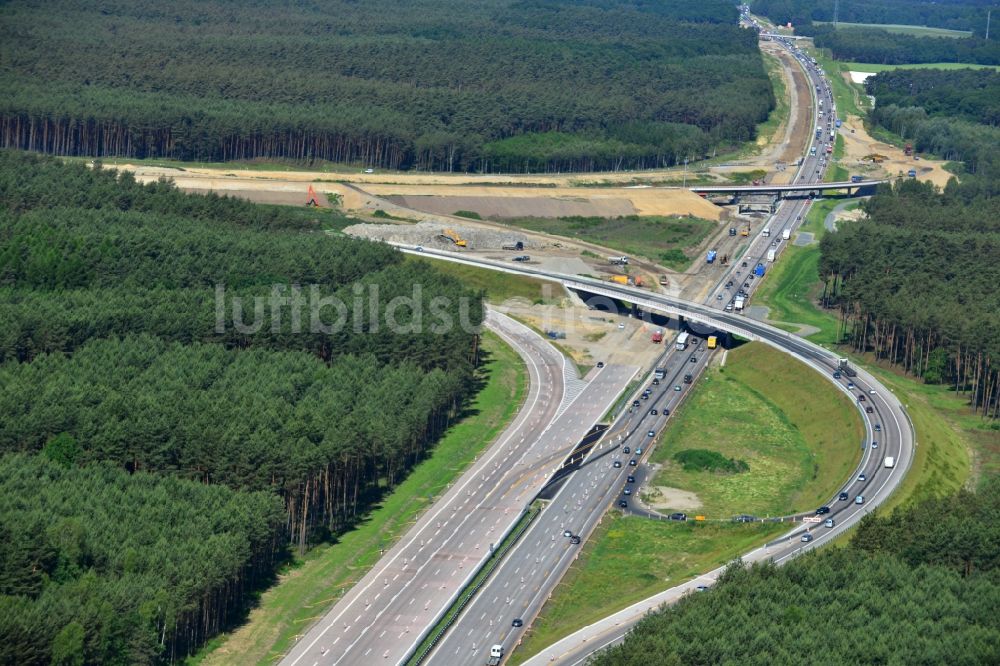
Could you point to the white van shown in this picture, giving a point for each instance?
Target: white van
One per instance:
(890, 461)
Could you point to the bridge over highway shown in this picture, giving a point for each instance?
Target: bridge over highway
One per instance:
(786, 189)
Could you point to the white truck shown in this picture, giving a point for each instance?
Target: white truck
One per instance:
(738, 303)
(618, 261)
(496, 655)
(770, 255)
(682, 341)
(786, 234)
(890, 461)
(767, 232)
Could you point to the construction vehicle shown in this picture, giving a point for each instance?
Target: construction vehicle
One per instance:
(311, 198)
(908, 150)
(725, 260)
(663, 280)
(627, 280)
(745, 231)
(517, 247)
(618, 261)
(856, 179)
(657, 336)
(453, 237)
(875, 158)
(713, 342)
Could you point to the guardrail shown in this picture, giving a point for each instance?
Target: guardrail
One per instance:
(480, 578)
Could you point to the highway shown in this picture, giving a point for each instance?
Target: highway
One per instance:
(383, 616)
(587, 492)
(782, 189)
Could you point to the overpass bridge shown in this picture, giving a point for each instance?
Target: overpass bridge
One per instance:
(780, 190)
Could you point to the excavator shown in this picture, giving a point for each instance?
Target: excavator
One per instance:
(453, 237)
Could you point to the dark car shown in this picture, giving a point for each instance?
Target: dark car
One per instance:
(653, 412)
(843, 497)
(626, 450)
(744, 518)
(635, 403)
(666, 412)
(632, 463)
(807, 537)
(836, 374)
(600, 364)
(861, 398)
(678, 516)
(630, 479)
(623, 504)
(822, 510)
(618, 463)
(518, 622)
(693, 359)
(744, 264)
(574, 539)
(869, 410)
(651, 433)
(627, 491)
(656, 382)
(878, 427)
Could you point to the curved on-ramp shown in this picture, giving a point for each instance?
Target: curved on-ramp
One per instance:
(897, 437)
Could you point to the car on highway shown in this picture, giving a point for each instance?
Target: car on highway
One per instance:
(744, 518)
(830, 522)
(635, 403)
(638, 450)
(574, 539)
(836, 374)
(701, 588)
(618, 463)
(623, 504)
(719, 297)
(419, 248)
(861, 398)
(626, 450)
(656, 382)
(822, 510)
(693, 359)
(651, 433)
(877, 427)
(729, 307)
(567, 533)
(860, 499)
(600, 364)
(807, 537)
(653, 412)
(874, 445)
(518, 622)
(871, 391)
(862, 478)
(677, 387)
(843, 497)
(869, 410)
(632, 463)
(627, 491)
(630, 479)
(678, 516)
(850, 385)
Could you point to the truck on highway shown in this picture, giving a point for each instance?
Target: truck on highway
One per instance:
(812, 151)
(890, 461)
(738, 303)
(786, 234)
(770, 255)
(833, 136)
(660, 373)
(618, 261)
(856, 179)
(496, 655)
(713, 342)
(767, 232)
(759, 270)
(517, 247)
(710, 257)
(846, 368)
(682, 341)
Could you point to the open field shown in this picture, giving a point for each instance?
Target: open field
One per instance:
(799, 435)
(314, 582)
(499, 287)
(628, 559)
(669, 241)
(914, 30)
(875, 68)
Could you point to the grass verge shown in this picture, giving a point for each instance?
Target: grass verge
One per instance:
(498, 287)
(800, 436)
(914, 30)
(316, 581)
(776, 120)
(628, 559)
(669, 241)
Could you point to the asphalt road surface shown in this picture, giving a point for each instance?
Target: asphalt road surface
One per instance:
(382, 618)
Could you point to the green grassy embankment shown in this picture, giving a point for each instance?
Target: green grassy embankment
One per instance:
(628, 559)
(800, 437)
(316, 581)
(499, 287)
(670, 241)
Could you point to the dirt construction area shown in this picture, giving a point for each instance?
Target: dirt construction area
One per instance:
(859, 148)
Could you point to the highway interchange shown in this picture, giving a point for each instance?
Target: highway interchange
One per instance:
(386, 615)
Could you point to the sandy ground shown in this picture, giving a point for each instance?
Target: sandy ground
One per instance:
(497, 201)
(664, 498)
(858, 145)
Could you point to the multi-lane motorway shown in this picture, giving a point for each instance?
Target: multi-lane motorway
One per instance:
(382, 618)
